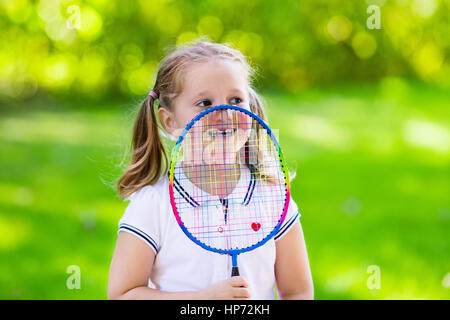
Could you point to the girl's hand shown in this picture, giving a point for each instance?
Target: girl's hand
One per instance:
(235, 288)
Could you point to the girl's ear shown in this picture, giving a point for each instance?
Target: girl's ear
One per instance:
(167, 120)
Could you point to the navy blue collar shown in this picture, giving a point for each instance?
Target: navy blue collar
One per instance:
(194, 203)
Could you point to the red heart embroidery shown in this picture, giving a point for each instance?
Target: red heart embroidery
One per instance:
(256, 226)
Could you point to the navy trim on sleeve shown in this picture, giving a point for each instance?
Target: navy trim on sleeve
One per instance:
(141, 234)
(287, 226)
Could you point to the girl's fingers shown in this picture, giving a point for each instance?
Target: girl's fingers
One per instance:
(241, 293)
(238, 281)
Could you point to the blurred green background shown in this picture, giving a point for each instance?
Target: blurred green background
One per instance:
(363, 116)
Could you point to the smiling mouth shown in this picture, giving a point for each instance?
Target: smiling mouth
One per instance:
(221, 132)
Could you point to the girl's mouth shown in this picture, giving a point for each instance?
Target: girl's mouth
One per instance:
(221, 132)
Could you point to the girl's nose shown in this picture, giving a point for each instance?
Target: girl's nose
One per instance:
(222, 118)
(226, 115)
(230, 116)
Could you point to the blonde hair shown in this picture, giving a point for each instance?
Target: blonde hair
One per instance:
(149, 158)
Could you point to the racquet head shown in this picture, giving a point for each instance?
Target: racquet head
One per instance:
(228, 181)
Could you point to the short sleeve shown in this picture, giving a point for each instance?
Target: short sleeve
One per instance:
(142, 217)
(292, 215)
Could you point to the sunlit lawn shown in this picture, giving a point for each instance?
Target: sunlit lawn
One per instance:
(372, 185)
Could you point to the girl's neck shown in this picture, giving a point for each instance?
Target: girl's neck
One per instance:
(214, 179)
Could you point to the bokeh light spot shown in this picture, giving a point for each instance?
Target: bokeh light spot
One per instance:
(427, 60)
(424, 8)
(339, 28)
(426, 134)
(13, 232)
(210, 26)
(364, 45)
(91, 24)
(59, 70)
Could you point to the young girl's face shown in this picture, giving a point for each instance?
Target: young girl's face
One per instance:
(206, 84)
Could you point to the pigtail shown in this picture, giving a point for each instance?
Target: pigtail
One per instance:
(149, 158)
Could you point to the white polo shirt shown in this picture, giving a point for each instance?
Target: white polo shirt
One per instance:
(182, 265)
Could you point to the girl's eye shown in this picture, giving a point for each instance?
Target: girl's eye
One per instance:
(235, 100)
(204, 103)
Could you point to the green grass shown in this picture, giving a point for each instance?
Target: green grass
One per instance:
(372, 184)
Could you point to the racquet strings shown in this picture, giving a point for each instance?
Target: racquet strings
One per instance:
(230, 187)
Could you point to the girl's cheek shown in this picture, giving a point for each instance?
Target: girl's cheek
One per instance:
(244, 105)
(196, 113)
(193, 112)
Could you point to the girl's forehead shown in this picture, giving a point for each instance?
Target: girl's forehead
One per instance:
(215, 74)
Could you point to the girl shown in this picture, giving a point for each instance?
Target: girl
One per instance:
(153, 258)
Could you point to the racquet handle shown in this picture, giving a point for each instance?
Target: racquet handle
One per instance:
(234, 271)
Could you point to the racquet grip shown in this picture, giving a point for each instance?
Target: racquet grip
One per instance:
(234, 271)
